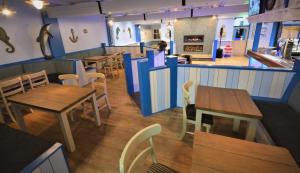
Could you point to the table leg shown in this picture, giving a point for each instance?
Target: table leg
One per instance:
(96, 110)
(19, 116)
(98, 66)
(251, 131)
(198, 120)
(66, 130)
(1, 117)
(236, 125)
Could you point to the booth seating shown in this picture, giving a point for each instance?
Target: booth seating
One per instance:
(53, 68)
(25, 153)
(85, 53)
(282, 122)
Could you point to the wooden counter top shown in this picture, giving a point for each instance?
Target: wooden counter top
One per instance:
(266, 60)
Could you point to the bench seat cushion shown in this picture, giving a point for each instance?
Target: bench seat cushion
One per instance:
(283, 125)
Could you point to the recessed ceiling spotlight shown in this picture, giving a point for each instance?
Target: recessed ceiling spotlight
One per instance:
(110, 22)
(4, 10)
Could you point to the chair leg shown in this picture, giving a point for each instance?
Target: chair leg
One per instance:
(10, 113)
(183, 130)
(107, 102)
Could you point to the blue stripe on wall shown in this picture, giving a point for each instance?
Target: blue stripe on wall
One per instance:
(137, 32)
(273, 37)
(56, 44)
(256, 36)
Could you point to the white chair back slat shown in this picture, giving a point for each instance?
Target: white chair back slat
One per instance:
(38, 79)
(11, 87)
(130, 148)
(69, 79)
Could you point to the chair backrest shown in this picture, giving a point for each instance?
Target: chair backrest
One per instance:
(37, 79)
(97, 80)
(11, 87)
(145, 134)
(69, 79)
(186, 97)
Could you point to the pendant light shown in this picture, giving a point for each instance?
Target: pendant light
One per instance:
(38, 4)
(4, 10)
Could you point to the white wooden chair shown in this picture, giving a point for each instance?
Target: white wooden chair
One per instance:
(69, 79)
(98, 82)
(189, 116)
(37, 79)
(126, 166)
(119, 57)
(111, 66)
(7, 89)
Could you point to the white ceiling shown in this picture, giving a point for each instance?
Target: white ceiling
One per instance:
(124, 7)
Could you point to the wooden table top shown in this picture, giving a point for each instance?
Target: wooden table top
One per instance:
(216, 154)
(52, 97)
(228, 101)
(97, 58)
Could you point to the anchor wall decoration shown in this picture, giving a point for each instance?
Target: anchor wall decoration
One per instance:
(4, 37)
(74, 38)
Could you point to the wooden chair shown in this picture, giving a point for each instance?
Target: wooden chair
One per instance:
(120, 60)
(38, 79)
(10, 88)
(111, 66)
(189, 112)
(98, 82)
(69, 79)
(146, 134)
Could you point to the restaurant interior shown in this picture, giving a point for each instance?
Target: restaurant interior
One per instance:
(172, 86)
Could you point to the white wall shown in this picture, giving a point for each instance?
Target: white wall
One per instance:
(124, 37)
(95, 26)
(165, 30)
(228, 30)
(23, 29)
(265, 35)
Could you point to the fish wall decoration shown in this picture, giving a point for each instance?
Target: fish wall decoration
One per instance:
(74, 38)
(43, 39)
(117, 33)
(129, 31)
(4, 37)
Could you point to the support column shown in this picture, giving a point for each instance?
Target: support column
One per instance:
(128, 73)
(144, 82)
(55, 44)
(172, 62)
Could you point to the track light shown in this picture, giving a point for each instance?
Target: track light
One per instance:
(183, 3)
(4, 10)
(144, 16)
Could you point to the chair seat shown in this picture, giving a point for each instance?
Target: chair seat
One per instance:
(160, 168)
(191, 115)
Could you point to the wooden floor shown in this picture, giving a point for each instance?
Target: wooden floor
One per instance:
(98, 149)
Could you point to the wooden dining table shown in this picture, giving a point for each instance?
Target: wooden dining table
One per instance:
(98, 60)
(219, 154)
(229, 103)
(58, 100)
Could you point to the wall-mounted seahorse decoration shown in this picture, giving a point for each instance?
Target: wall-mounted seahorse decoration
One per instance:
(117, 33)
(43, 39)
(4, 37)
(129, 31)
(74, 38)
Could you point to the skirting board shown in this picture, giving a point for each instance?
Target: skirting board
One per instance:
(262, 135)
